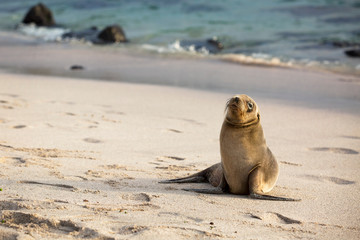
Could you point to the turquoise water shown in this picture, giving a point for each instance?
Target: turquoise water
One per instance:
(280, 31)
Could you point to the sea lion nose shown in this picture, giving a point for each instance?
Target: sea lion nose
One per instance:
(237, 99)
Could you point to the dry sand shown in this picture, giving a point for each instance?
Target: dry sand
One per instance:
(82, 158)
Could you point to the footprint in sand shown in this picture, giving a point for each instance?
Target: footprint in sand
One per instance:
(20, 218)
(116, 184)
(335, 150)
(127, 230)
(178, 168)
(92, 140)
(274, 217)
(339, 181)
(9, 205)
(143, 197)
(5, 104)
(11, 101)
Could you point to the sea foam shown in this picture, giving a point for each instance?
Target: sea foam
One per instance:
(44, 33)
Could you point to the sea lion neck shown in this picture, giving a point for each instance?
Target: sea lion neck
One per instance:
(252, 123)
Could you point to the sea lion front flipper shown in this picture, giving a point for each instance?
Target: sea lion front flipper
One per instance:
(256, 177)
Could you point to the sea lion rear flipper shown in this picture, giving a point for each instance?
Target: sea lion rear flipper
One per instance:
(190, 179)
(205, 175)
(255, 183)
(220, 189)
(273, 198)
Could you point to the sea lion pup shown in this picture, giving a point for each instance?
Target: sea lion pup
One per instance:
(247, 164)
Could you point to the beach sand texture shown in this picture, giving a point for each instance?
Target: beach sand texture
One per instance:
(81, 159)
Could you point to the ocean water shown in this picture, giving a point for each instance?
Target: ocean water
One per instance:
(269, 32)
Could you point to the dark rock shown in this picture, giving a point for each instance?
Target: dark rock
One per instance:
(214, 42)
(112, 34)
(40, 15)
(77, 67)
(353, 53)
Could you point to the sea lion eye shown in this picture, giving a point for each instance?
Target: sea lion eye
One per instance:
(250, 106)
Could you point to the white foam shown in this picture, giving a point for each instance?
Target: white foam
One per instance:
(45, 33)
(176, 47)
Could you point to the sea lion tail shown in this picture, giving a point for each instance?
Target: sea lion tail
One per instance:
(199, 177)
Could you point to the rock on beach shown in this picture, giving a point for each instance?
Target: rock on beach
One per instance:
(40, 15)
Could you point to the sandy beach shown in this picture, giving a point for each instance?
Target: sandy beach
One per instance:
(82, 152)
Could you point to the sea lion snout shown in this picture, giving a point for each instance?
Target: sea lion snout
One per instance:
(237, 104)
(235, 101)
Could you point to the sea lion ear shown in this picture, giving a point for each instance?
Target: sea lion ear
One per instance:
(258, 116)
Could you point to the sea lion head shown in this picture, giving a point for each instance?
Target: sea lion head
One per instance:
(242, 111)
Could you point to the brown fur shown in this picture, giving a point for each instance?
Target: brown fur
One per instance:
(247, 164)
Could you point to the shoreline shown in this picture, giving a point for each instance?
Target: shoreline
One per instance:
(122, 65)
(12, 39)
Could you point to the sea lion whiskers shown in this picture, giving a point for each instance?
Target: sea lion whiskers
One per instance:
(227, 104)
